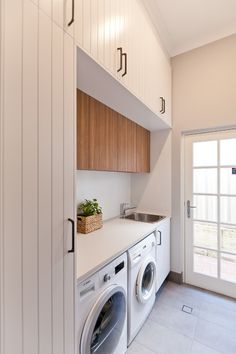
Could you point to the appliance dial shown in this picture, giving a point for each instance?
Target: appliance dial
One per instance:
(106, 278)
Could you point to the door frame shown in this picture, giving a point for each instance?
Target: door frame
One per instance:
(184, 135)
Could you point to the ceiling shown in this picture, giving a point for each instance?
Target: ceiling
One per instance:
(187, 24)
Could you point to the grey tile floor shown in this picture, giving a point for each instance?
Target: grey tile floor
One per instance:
(209, 329)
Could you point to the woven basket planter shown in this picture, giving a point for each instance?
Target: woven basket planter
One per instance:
(86, 224)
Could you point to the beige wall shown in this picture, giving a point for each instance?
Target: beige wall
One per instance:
(152, 191)
(204, 96)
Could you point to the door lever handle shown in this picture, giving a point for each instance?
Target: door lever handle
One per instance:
(189, 207)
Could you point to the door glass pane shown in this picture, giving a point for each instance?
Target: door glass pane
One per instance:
(228, 238)
(228, 210)
(228, 267)
(205, 262)
(227, 181)
(227, 152)
(206, 208)
(205, 153)
(205, 235)
(205, 180)
(148, 278)
(109, 325)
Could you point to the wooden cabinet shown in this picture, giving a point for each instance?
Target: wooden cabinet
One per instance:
(126, 145)
(142, 149)
(163, 252)
(107, 141)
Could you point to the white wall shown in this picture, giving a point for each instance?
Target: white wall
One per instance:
(152, 191)
(109, 188)
(204, 87)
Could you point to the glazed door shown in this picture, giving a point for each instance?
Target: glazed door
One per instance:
(210, 211)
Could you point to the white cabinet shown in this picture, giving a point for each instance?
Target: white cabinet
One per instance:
(103, 26)
(37, 167)
(163, 252)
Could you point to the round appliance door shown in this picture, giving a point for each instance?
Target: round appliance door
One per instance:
(105, 322)
(146, 279)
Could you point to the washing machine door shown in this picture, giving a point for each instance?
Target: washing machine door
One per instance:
(105, 323)
(145, 284)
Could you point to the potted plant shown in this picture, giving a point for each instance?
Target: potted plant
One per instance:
(89, 216)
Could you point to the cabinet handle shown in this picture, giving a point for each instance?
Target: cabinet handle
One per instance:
(121, 61)
(73, 14)
(72, 250)
(162, 105)
(126, 64)
(159, 244)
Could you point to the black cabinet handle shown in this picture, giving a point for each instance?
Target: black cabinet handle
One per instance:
(72, 250)
(126, 64)
(162, 105)
(121, 61)
(73, 14)
(159, 244)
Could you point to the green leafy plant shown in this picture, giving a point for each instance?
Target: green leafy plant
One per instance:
(89, 207)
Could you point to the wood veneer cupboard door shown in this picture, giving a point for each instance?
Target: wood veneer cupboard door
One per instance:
(83, 115)
(126, 145)
(36, 182)
(143, 149)
(103, 127)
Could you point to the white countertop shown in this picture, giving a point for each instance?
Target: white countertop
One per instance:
(97, 248)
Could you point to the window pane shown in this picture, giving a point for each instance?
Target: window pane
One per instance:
(227, 181)
(205, 180)
(205, 235)
(206, 208)
(205, 153)
(228, 238)
(227, 152)
(205, 262)
(228, 210)
(228, 267)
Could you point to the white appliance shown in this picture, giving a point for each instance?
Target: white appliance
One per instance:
(141, 283)
(102, 310)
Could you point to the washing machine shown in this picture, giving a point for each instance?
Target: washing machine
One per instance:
(141, 283)
(102, 310)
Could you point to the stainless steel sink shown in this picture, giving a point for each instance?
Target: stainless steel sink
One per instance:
(150, 218)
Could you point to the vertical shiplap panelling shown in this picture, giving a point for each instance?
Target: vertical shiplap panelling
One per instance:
(94, 29)
(46, 6)
(101, 32)
(87, 25)
(58, 12)
(57, 190)
(69, 16)
(79, 22)
(45, 192)
(30, 178)
(69, 194)
(107, 33)
(12, 178)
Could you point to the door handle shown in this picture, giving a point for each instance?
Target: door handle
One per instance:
(72, 250)
(73, 14)
(126, 64)
(160, 233)
(121, 61)
(189, 207)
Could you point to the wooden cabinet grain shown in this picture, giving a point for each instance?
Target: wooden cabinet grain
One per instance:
(142, 149)
(107, 141)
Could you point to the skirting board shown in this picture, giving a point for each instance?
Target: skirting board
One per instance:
(175, 277)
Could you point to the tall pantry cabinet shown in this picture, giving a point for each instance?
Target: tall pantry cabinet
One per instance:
(37, 164)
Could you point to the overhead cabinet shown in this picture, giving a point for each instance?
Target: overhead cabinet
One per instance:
(107, 141)
(119, 36)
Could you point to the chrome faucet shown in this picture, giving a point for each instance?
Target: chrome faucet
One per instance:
(124, 207)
